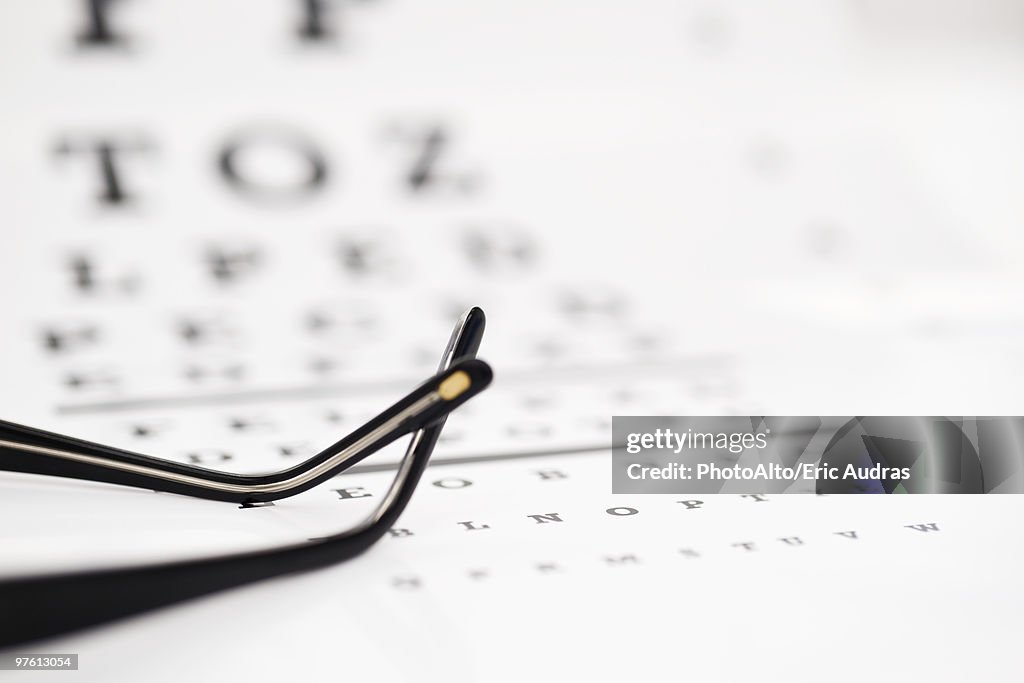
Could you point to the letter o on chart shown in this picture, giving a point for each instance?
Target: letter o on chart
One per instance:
(452, 483)
(622, 512)
(272, 164)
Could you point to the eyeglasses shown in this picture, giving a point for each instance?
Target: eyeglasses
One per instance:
(53, 604)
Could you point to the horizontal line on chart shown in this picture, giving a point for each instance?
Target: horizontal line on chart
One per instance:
(471, 459)
(311, 391)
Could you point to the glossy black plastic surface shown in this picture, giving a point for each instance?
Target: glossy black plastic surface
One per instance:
(13, 459)
(35, 608)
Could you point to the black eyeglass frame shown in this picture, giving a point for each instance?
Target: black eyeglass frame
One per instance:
(30, 450)
(40, 607)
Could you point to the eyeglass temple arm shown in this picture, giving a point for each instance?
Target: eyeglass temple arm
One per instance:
(30, 450)
(52, 605)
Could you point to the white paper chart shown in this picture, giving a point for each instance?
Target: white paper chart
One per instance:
(235, 231)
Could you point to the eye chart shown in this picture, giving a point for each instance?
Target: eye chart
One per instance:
(235, 231)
